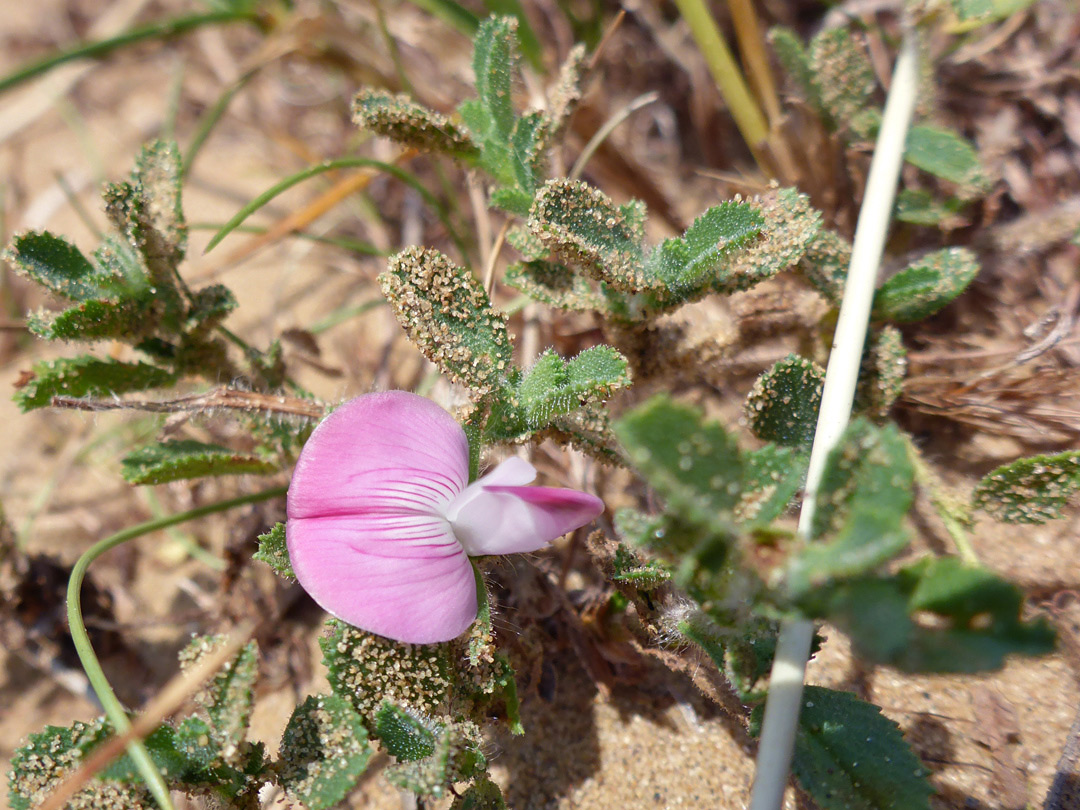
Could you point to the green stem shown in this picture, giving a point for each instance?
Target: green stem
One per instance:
(928, 480)
(167, 28)
(114, 711)
(404, 176)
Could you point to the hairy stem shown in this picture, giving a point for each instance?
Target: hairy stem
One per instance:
(114, 711)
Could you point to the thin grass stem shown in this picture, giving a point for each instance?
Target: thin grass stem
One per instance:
(114, 710)
(793, 646)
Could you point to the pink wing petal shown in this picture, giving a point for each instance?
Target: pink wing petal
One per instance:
(390, 451)
(511, 519)
(403, 576)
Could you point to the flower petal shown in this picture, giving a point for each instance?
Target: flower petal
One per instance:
(510, 519)
(392, 451)
(404, 576)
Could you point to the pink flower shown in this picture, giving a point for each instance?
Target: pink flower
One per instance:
(382, 519)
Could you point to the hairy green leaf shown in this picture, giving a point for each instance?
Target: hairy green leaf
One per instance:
(402, 120)
(881, 376)
(848, 756)
(446, 313)
(684, 267)
(825, 264)
(790, 226)
(60, 267)
(363, 668)
(844, 79)
(184, 458)
(946, 154)
(404, 736)
(323, 752)
(228, 698)
(274, 552)
(494, 60)
(633, 569)
(782, 406)
(772, 476)
(584, 227)
(483, 794)
(1030, 490)
(796, 62)
(127, 319)
(553, 284)
(209, 307)
(920, 207)
(926, 286)
(455, 758)
(86, 376)
(693, 464)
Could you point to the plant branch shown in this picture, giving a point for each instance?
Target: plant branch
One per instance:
(227, 398)
(114, 711)
(793, 646)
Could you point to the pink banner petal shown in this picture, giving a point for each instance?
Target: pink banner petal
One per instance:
(404, 576)
(511, 519)
(393, 451)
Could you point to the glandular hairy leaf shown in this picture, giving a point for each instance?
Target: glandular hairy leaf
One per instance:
(825, 264)
(86, 376)
(783, 405)
(274, 552)
(881, 376)
(60, 267)
(446, 313)
(790, 226)
(402, 120)
(844, 79)
(483, 794)
(403, 735)
(553, 284)
(323, 752)
(126, 319)
(584, 227)
(1030, 490)
(228, 697)
(178, 459)
(795, 60)
(925, 286)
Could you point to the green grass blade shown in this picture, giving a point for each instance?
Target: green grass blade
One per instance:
(408, 178)
(103, 47)
(453, 14)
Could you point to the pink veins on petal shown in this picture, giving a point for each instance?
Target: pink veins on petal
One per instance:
(382, 519)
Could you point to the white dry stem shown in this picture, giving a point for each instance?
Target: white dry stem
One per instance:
(793, 647)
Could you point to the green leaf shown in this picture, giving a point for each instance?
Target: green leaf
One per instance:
(493, 64)
(446, 313)
(323, 752)
(925, 286)
(1030, 490)
(945, 154)
(526, 141)
(796, 62)
(209, 307)
(553, 284)
(554, 387)
(583, 226)
(403, 735)
(128, 319)
(825, 264)
(403, 121)
(512, 200)
(86, 376)
(693, 464)
(848, 756)
(685, 266)
(363, 668)
(782, 406)
(455, 758)
(565, 95)
(869, 468)
(844, 78)
(183, 458)
(483, 794)
(632, 569)
(790, 226)
(920, 207)
(771, 478)
(59, 266)
(936, 615)
(228, 698)
(881, 376)
(274, 552)
(147, 210)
